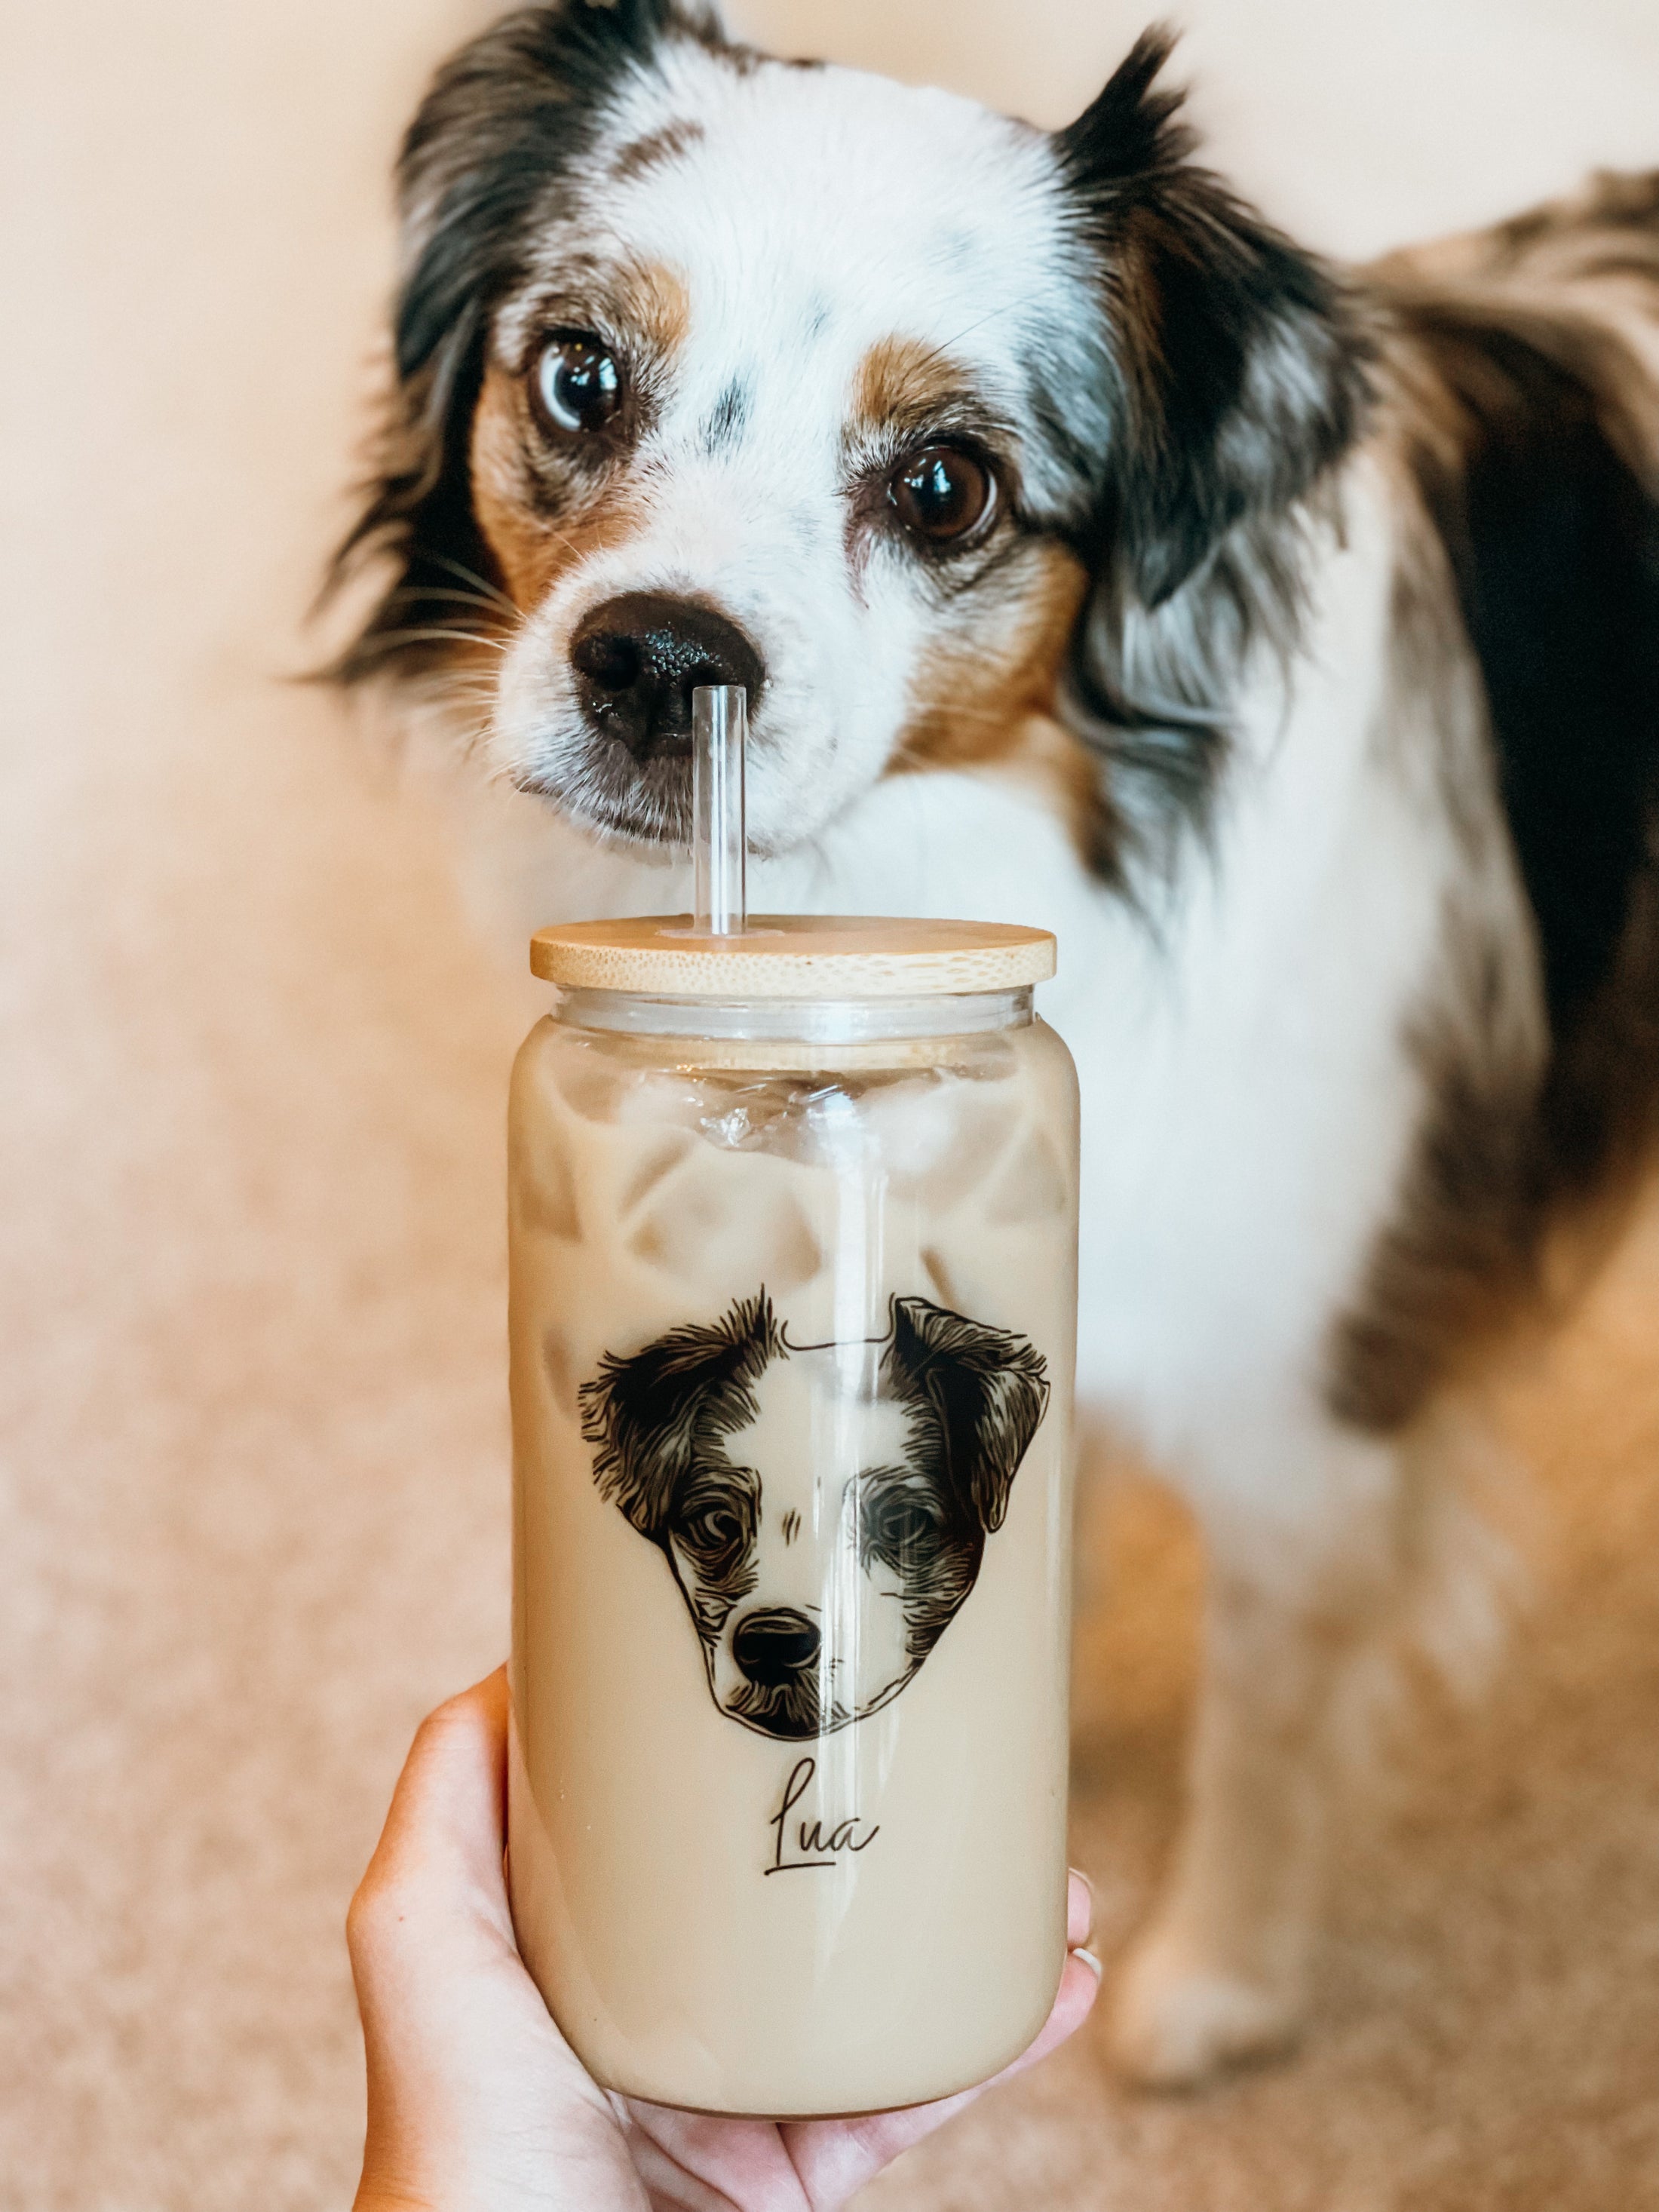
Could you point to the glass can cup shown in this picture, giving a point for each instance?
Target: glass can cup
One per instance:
(794, 1253)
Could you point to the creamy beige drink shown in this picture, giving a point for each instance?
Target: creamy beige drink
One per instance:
(792, 1328)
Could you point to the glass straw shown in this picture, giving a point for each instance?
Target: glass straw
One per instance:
(720, 729)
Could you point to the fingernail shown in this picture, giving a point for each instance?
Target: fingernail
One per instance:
(1089, 1961)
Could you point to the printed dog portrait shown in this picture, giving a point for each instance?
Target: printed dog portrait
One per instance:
(825, 1508)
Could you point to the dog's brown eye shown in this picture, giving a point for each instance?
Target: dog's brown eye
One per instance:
(577, 386)
(942, 493)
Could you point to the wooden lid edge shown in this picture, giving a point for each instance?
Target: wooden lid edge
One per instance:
(788, 956)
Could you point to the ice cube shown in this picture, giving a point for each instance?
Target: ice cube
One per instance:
(660, 1098)
(988, 1060)
(977, 1143)
(606, 1085)
(657, 1161)
(590, 1081)
(745, 1116)
(1033, 1185)
(543, 1195)
(940, 1278)
(561, 1375)
(729, 1233)
(789, 1118)
(938, 1143)
(828, 1128)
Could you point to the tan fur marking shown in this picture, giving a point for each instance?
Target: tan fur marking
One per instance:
(979, 704)
(664, 307)
(531, 548)
(900, 379)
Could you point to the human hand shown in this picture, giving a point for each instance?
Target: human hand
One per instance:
(476, 2101)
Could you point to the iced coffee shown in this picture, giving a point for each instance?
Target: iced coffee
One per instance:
(793, 1266)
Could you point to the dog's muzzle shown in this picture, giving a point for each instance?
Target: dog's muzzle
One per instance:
(638, 660)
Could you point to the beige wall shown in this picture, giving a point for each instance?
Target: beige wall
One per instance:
(1362, 122)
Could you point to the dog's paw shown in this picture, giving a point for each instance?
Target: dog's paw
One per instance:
(1179, 2020)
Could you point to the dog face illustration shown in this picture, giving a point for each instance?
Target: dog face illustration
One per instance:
(823, 1508)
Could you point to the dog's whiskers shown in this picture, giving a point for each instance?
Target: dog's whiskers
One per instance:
(1007, 307)
(472, 576)
(388, 641)
(420, 592)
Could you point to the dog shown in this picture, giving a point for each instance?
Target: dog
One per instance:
(1286, 638)
(772, 1557)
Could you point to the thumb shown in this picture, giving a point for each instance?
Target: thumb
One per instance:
(439, 1859)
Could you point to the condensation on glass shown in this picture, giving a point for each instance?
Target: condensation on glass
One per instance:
(794, 1287)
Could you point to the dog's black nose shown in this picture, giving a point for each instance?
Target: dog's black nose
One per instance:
(773, 1648)
(639, 659)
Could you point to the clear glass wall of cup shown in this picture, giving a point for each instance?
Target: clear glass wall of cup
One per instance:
(794, 1308)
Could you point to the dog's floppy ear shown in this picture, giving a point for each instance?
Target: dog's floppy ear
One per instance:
(1238, 367)
(986, 1389)
(648, 1413)
(506, 123)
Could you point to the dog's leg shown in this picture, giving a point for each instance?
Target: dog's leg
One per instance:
(1300, 1577)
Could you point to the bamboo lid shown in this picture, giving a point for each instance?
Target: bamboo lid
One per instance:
(794, 956)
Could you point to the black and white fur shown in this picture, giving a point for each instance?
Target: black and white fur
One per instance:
(796, 1489)
(1302, 674)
